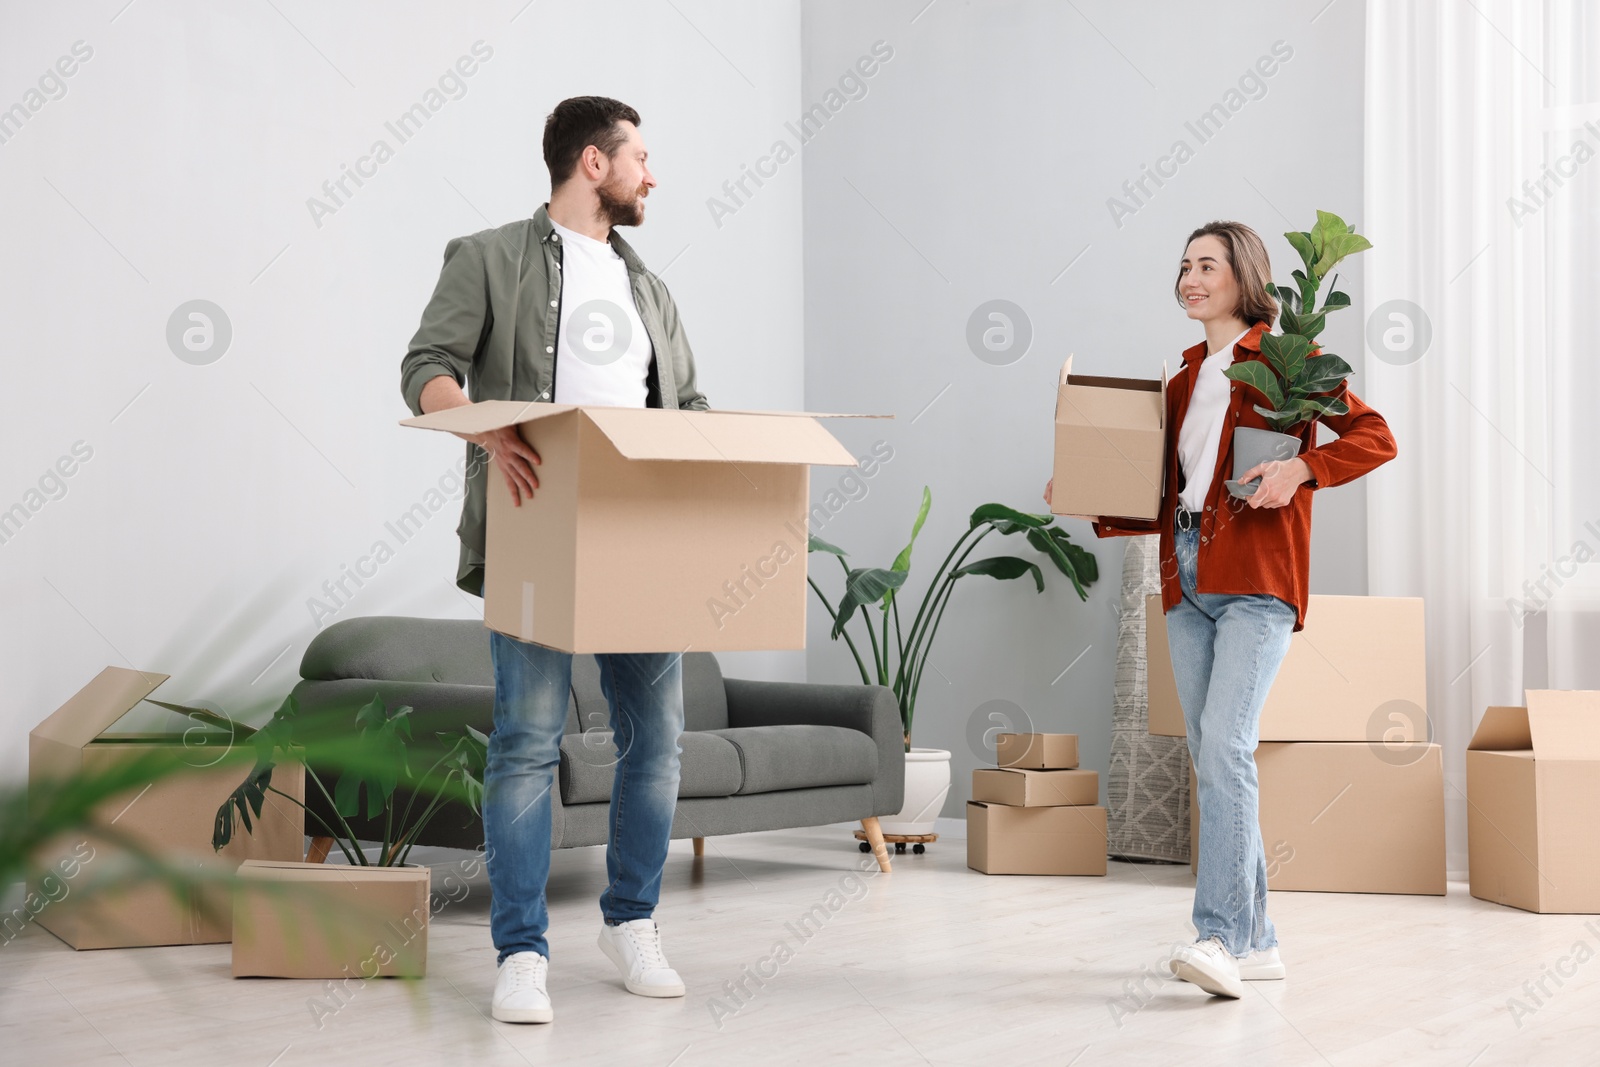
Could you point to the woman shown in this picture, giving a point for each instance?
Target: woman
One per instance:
(1233, 585)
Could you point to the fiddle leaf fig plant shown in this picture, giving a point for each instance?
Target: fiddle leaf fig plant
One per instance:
(1297, 375)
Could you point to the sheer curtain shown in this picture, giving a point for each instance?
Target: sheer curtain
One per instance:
(1482, 201)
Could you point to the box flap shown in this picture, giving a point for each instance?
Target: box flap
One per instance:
(109, 696)
(486, 415)
(1565, 724)
(719, 436)
(1501, 730)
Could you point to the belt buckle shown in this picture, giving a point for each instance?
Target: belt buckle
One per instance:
(1183, 518)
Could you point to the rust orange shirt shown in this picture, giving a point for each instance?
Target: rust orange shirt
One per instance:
(1246, 550)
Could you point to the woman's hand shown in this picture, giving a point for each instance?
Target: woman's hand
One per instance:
(1280, 478)
(1050, 485)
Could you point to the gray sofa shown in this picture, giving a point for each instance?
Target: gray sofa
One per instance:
(756, 755)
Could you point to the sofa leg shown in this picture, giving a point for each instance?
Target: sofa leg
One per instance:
(320, 847)
(875, 839)
(699, 846)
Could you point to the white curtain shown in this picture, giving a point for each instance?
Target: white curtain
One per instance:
(1482, 201)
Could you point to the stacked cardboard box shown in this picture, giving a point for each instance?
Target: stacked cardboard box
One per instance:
(1035, 813)
(1110, 445)
(1352, 791)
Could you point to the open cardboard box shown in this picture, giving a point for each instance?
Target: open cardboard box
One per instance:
(1061, 840)
(171, 817)
(1533, 794)
(330, 920)
(1347, 818)
(1110, 445)
(652, 530)
(1357, 672)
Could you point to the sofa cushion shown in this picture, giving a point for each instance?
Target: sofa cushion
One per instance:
(802, 757)
(709, 766)
(705, 701)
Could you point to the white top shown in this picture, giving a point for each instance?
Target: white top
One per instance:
(602, 351)
(1201, 435)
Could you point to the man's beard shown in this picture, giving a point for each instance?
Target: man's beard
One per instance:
(621, 207)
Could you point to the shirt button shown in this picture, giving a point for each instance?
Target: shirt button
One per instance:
(545, 395)
(552, 303)
(555, 237)
(547, 348)
(1203, 539)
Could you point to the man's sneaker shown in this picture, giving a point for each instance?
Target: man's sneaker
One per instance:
(635, 947)
(1262, 965)
(519, 995)
(1210, 966)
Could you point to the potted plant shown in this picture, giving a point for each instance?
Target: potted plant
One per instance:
(1294, 376)
(900, 656)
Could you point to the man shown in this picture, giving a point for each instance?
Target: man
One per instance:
(559, 309)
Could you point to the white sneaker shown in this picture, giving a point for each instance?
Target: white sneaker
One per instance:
(635, 947)
(1262, 965)
(1210, 966)
(519, 995)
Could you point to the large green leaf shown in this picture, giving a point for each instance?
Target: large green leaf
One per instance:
(1302, 244)
(864, 585)
(902, 562)
(1337, 247)
(1322, 374)
(247, 798)
(1259, 377)
(1310, 327)
(1059, 551)
(1319, 405)
(1003, 568)
(817, 544)
(1288, 320)
(994, 513)
(382, 736)
(1288, 298)
(1335, 301)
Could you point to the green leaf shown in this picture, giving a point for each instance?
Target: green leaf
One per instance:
(1309, 328)
(1288, 320)
(246, 798)
(1259, 377)
(817, 544)
(1302, 243)
(1060, 551)
(1003, 568)
(1319, 405)
(992, 513)
(1335, 301)
(1323, 374)
(902, 562)
(1337, 247)
(865, 585)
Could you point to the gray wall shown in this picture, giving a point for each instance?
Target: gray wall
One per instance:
(176, 163)
(978, 166)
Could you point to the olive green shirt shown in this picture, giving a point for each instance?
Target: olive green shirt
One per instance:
(492, 324)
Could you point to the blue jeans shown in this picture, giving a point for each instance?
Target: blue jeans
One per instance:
(1226, 650)
(531, 686)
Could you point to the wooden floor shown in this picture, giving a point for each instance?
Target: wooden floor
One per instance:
(933, 963)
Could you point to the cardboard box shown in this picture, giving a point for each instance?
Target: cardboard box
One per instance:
(1357, 672)
(1063, 840)
(91, 733)
(1347, 818)
(1533, 791)
(330, 920)
(1034, 789)
(652, 530)
(1043, 752)
(1111, 445)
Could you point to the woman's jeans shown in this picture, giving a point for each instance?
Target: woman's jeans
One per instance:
(531, 686)
(1225, 653)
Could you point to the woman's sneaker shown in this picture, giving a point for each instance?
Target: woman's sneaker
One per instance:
(519, 995)
(1262, 965)
(1210, 966)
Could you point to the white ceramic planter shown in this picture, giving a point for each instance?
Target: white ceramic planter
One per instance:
(927, 783)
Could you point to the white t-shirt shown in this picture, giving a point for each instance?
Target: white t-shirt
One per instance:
(602, 351)
(1201, 435)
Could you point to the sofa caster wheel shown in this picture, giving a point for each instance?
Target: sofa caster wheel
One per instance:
(865, 847)
(918, 849)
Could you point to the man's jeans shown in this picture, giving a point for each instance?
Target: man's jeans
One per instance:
(1226, 650)
(531, 685)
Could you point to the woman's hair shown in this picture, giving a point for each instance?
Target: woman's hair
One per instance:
(1251, 268)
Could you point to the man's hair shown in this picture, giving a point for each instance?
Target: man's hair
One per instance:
(1251, 268)
(579, 122)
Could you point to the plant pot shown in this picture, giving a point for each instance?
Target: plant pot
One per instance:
(927, 783)
(1251, 447)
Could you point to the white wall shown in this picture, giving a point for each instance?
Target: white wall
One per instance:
(978, 166)
(177, 165)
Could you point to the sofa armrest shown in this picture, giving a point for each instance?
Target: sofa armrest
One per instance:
(870, 709)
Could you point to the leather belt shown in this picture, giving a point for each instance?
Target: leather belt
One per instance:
(1184, 519)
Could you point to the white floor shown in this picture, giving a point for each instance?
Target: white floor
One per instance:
(933, 963)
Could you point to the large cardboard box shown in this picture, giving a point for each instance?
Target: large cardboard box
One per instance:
(108, 721)
(1357, 672)
(1009, 840)
(1111, 445)
(1034, 789)
(330, 920)
(1044, 752)
(1533, 797)
(1347, 818)
(652, 530)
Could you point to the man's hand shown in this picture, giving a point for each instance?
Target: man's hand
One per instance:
(1280, 478)
(515, 457)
